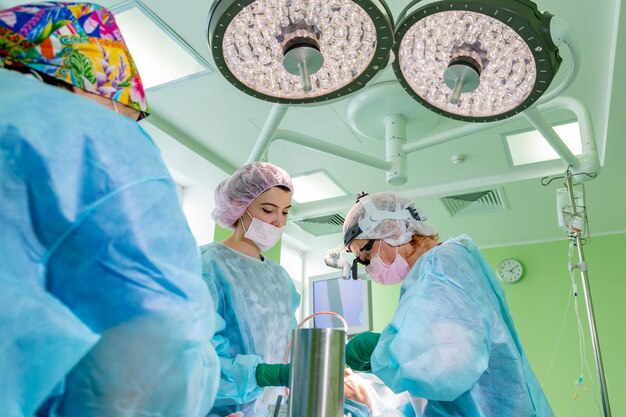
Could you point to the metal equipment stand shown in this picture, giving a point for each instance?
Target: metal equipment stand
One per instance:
(576, 235)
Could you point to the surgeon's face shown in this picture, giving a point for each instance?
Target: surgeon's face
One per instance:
(270, 207)
(107, 102)
(365, 249)
(361, 248)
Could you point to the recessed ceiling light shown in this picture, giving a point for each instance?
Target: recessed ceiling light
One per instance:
(315, 186)
(530, 147)
(161, 56)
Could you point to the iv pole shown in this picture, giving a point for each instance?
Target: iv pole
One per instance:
(576, 234)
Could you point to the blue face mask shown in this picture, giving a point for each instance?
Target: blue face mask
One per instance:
(264, 235)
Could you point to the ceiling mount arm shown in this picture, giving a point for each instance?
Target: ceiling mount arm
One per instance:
(270, 133)
(277, 113)
(588, 161)
(560, 33)
(326, 147)
(548, 133)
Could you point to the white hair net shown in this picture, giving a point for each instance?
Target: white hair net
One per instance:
(234, 195)
(387, 216)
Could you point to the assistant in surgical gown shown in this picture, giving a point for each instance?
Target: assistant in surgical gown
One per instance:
(256, 302)
(103, 311)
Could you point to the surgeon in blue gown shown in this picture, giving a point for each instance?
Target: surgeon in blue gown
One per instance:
(103, 311)
(452, 340)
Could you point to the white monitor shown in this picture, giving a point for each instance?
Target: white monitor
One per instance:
(352, 299)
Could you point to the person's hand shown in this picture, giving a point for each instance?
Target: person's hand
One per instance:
(359, 351)
(273, 374)
(354, 390)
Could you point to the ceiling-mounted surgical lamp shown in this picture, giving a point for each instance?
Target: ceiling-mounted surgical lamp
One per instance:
(300, 51)
(479, 60)
(471, 60)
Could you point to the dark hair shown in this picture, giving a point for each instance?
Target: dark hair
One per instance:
(40, 75)
(284, 188)
(55, 82)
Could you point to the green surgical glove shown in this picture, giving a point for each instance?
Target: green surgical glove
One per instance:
(273, 374)
(359, 351)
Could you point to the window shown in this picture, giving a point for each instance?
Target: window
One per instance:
(291, 260)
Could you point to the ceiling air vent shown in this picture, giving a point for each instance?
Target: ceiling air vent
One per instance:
(475, 203)
(322, 225)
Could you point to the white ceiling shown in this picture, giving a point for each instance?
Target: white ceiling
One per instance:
(222, 124)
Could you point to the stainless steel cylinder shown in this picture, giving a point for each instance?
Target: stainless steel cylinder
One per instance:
(317, 367)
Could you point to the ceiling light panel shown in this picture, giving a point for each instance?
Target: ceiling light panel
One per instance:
(530, 147)
(315, 186)
(161, 56)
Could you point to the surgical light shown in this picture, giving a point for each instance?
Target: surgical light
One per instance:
(478, 60)
(471, 60)
(299, 51)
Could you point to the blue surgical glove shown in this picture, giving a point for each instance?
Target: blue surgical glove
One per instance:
(273, 374)
(359, 351)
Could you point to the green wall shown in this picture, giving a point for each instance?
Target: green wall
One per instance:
(273, 254)
(538, 304)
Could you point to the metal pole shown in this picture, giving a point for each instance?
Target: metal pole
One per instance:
(582, 265)
(277, 113)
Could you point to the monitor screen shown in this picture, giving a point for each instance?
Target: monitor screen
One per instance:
(349, 298)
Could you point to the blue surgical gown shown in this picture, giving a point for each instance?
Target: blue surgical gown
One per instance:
(103, 311)
(453, 342)
(255, 303)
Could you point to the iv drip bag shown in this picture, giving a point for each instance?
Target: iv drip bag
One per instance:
(564, 209)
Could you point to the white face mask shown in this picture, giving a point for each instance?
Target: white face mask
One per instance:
(264, 235)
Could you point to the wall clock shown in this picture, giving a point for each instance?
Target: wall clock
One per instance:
(510, 270)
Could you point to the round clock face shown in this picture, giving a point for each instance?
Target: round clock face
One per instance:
(510, 270)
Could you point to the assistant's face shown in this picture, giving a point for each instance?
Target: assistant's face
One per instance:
(270, 207)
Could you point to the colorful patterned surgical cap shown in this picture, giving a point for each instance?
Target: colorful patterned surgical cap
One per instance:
(78, 43)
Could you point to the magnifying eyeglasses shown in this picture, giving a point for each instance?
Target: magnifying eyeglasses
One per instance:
(357, 260)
